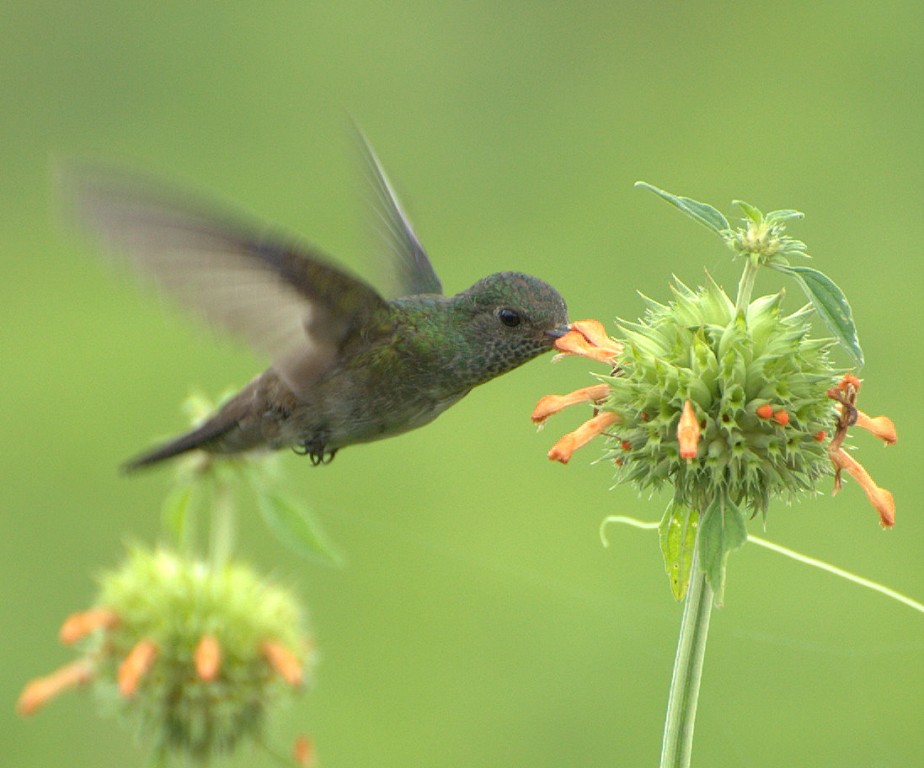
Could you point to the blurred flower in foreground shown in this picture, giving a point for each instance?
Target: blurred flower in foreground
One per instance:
(197, 654)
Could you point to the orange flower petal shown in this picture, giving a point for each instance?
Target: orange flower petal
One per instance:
(595, 332)
(78, 625)
(552, 404)
(207, 658)
(135, 666)
(40, 691)
(849, 381)
(567, 445)
(881, 426)
(881, 499)
(283, 661)
(781, 417)
(588, 338)
(303, 752)
(688, 432)
(574, 343)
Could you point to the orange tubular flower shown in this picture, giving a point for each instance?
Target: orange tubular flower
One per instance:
(283, 661)
(881, 426)
(567, 445)
(303, 752)
(880, 498)
(40, 691)
(588, 338)
(136, 665)
(552, 404)
(207, 658)
(78, 625)
(688, 432)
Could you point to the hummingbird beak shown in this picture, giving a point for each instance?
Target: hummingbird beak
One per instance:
(557, 333)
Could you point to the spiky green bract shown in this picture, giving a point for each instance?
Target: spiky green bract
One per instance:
(173, 601)
(728, 364)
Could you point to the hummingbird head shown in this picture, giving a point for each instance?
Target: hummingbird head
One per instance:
(510, 318)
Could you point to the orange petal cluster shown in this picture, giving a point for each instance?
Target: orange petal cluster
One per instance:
(586, 338)
(845, 393)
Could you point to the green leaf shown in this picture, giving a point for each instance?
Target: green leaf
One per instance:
(678, 539)
(702, 212)
(775, 218)
(752, 212)
(296, 527)
(722, 531)
(830, 304)
(175, 513)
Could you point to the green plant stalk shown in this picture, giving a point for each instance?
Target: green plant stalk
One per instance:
(677, 746)
(746, 286)
(222, 524)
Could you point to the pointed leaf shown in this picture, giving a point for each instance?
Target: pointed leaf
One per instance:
(704, 213)
(752, 212)
(722, 532)
(830, 304)
(296, 527)
(678, 539)
(785, 214)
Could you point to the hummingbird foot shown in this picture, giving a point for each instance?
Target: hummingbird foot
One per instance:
(315, 451)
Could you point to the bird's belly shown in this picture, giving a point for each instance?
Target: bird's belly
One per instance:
(386, 419)
(335, 422)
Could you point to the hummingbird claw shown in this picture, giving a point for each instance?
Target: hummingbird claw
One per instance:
(317, 454)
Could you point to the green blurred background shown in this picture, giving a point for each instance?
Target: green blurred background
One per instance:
(479, 621)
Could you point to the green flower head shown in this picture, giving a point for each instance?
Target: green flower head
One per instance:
(756, 385)
(196, 654)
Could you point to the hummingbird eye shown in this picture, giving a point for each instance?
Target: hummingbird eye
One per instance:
(509, 317)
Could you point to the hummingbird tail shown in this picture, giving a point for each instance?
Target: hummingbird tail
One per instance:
(197, 438)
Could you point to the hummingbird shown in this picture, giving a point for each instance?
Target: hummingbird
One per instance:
(348, 364)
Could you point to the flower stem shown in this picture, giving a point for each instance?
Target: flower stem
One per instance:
(222, 523)
(677, 746)
(746, 286)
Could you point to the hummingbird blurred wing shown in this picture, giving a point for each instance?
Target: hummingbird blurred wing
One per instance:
(412, 266)
(282, 298)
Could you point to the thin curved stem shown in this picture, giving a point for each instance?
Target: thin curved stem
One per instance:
(822, 565)
(677, 746)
